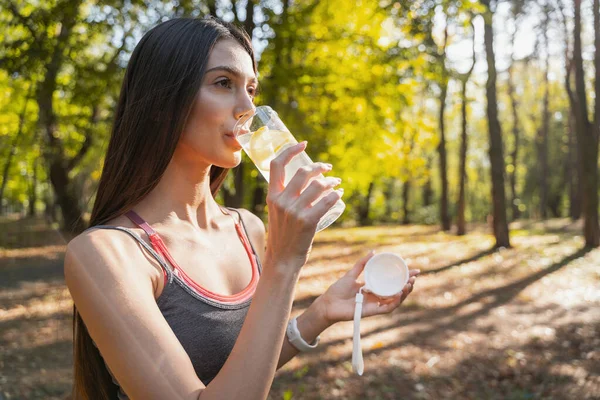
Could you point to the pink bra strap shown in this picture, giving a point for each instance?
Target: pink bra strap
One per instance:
(139, 221)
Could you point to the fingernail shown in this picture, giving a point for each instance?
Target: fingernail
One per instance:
(329, 166)
(340, 191)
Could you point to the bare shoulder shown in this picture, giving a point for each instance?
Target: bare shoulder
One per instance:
(108, 255)
(95, 244)
(90, 246)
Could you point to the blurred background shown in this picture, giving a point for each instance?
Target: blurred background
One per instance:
(466, 134)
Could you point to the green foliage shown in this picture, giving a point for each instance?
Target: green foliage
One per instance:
(358, 80)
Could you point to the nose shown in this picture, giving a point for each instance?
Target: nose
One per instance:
(244, 105)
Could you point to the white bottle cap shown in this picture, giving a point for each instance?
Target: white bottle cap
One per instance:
(386, 274)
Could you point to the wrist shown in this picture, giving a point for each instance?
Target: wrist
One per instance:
(283, 264)
(280, 270)
(316, 315)
(309, 326)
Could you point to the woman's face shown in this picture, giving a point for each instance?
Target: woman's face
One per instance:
(226, 93)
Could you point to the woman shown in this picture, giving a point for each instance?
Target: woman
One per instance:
(168, 304)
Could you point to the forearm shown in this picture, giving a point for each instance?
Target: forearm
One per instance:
(310, 324)
(250, 368)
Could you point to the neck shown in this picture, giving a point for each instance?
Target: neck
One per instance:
(182, 195)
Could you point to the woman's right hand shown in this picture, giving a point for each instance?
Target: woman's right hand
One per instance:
(292, 217)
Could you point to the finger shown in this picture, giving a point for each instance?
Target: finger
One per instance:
(360, 265)
(315, 190)
(414, 272)
(322, 206)
(277, 173)
(388, 300)
(382, 307)
(392, 305)
(305, 174)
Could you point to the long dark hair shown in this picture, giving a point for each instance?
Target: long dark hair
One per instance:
(161, 83)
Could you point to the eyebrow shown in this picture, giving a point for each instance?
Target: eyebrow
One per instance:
(233, 71)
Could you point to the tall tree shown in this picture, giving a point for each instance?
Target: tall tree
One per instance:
(42, 44)
(500, 223)
(364, 207)
(389, 195)
(588, 132)
(427, 194)
(573, 170)
(543, 130)
(406, 202)
(462, 171)
(59, 164)
(443, 84)
(33, 188)
(514, 106)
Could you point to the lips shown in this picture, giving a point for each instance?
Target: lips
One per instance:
(233, 140)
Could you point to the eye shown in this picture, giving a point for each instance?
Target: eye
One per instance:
(226, 83)
(252, 91)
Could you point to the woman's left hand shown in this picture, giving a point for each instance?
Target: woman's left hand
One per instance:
(337, 303)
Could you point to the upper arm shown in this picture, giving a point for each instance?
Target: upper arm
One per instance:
(256, 230)
(116, 302)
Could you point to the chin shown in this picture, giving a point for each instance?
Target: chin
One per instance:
(233, 161)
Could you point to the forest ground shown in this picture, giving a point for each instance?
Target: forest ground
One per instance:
(518, 323)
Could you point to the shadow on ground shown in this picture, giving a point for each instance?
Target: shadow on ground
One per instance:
(566, 367)
(36, 347)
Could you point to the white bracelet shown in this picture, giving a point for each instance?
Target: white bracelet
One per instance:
(295, 339)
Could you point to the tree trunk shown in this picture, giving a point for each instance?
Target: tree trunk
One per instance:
(515, 152)
(365, 207)
(500, 223)
(212, 7)
(405, 203)
(587, 133)
(33, 189)
(389, 196)
(514, 103)
(444, 216)
(573, 171)
(462, 172)
(59, 165)
(427, 187)
(542, 140)
(50, 202)
(554, 204)
(249, 22)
